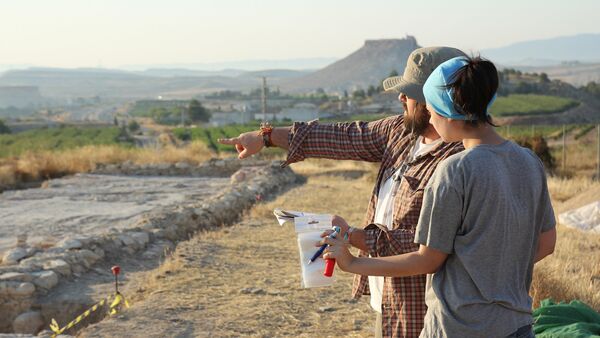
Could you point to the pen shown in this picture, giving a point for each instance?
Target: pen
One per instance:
(336, 230)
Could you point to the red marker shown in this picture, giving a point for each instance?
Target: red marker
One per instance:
(116, 270)
(329, 265)
(330, 262)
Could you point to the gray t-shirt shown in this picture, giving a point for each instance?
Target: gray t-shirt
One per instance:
(485, 207)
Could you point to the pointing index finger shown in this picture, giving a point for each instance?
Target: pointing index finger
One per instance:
(230, 141)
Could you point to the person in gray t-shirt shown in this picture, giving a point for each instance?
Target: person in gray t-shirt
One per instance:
(485, 208)
(486, 217)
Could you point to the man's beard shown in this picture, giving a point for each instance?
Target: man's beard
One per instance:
(416, 121)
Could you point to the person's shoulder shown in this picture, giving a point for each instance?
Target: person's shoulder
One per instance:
(523, 150)
(529, 155)
(394, 121)
(448, 149)
(452, 165)
(480, 155)
(449, 172)
(483, 156)
(391, 125)
(454, 159)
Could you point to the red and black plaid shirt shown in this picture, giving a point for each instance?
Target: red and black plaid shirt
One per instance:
(389, 142)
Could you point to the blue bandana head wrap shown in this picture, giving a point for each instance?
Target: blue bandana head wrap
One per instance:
(439, 97)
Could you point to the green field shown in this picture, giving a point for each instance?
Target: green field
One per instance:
(530, 104)
(145, 108)
(210, 135)
(57, 139)
(549, 132)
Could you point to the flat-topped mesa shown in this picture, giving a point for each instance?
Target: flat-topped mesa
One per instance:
(364, 67)
(408, 42)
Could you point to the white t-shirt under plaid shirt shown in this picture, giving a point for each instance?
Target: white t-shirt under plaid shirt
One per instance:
(384, 213)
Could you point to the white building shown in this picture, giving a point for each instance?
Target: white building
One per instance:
(233, 117)
(299, 112)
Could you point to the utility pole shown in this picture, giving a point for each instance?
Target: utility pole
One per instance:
(564, 149)
(182, 110)
(598, 168)
(264, 98)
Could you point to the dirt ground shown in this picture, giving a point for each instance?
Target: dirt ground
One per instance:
(244, 280)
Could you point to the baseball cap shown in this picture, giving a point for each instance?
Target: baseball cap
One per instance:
(420, 64)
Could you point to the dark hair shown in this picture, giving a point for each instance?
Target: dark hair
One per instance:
(473, 87)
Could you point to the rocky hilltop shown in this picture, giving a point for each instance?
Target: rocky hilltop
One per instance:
(366, 66)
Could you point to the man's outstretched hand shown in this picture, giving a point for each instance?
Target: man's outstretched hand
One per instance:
(246, 144)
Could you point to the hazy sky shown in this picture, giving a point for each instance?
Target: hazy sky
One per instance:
(111, 33)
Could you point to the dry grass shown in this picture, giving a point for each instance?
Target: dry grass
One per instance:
(573, 271)
(7, 175)
(562, 189)
(50, 164)
(581, 155)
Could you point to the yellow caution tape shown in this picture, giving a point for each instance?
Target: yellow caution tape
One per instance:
(115, 304)
(113, 309)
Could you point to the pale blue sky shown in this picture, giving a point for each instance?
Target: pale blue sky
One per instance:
(111, 33)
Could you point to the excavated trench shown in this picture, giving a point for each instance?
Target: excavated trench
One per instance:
(57, 243)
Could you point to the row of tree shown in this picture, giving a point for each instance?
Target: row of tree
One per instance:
(254, 94)
(371, 90)
(514, 81)
(194, 112)
(4, 129)
(592, 88)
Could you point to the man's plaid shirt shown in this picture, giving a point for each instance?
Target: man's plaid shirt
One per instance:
(389, 142)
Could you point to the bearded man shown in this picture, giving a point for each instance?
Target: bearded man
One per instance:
(409, 149)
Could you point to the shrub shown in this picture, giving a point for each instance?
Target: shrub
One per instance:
(133, 126)
(540, 147)
(4, 128)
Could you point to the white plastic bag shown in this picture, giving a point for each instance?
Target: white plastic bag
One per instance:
(309, 229)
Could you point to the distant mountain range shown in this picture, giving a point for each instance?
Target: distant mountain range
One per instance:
(168, 83)
(366, 66)
(247, 65)
(573, 59)
(582, 48)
